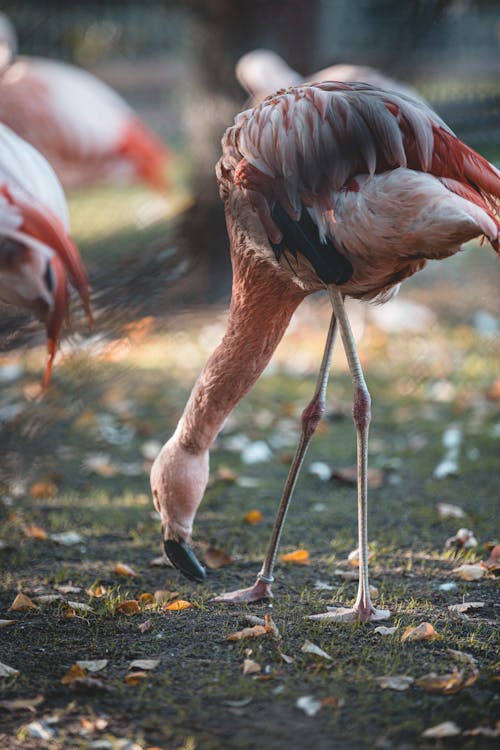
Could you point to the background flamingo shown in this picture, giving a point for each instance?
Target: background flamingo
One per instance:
(85, 129)
(37, 255)
(262, 72)
(342, 187)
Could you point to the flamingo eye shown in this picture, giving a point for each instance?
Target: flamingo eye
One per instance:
(48, 277)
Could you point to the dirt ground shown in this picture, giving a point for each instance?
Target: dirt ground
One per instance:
(75, 504)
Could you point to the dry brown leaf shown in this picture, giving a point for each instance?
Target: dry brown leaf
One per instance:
(447, 684)
(73, 673)
(492, 732)
(440, 731)
(217, 558)
(384, 630)
(333, 701)
(22, 704)
(254, 632)
(353, 558)
(48, 598)
(97, 591)
(311, 648)
(423, 632)
(463, 539)
(5, 623)
(6, 671)
(349, 475)
(465, 606)
(22, 603)
(94, 665)
(127, 607)
(271, 626)
(35, 532)
(145, 626)
(68, 588)
(394, 682)
(251, 667)
(297, 557)
(125, 570)
(177, 605)
(462, 656)
(253, 517)
(225, 474)
(144, 665)
(147, 600)
(90, 682)
(41, 490)
(493, 561)
(162, 596)
(134, 678)
(287, 659)
(160, 562)
(470, 572)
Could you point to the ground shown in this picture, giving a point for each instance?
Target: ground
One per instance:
(77, 461)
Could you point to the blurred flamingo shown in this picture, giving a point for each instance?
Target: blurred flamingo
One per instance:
(84, 129)
(342, 187)
(37, 255)
(262, 72)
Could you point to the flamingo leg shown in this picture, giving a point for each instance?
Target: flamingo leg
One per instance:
(311, 417)
(363, 608)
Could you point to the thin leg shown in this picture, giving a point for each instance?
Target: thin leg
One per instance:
(363, 608)
(311, 416)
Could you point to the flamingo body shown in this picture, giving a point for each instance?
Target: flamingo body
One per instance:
(37, 255)
(343, 187)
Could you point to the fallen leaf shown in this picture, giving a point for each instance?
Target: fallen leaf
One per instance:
(384, 630)
(465, 606)
(463, 539)
(287, 659)
(22, 603)
(177, 605)
(48, 598)
(125, 570)
(6, 671)
(253, 517)
(162, 596)
(217, 558)
(251, 667)
(93, 666)
(484, 731)
(447, 684)
(423, 632)
(225, 474)
(41, 490)
(147, 600)
(271, 626)
(333, 701)
(22, 704)
(128, 607)
(298, 557)
(5, 623)
(353, 558)
(309, 705)
(97, 591)
(462, 656)
(35, 532)
(446, 510)
(144, 665)
(396, 682)
(254, 632)
(493, 561)
(145, 626)
(135, 677)
(311, 648)
(349, 575)
(91, 682)
(68, 588)
(470, 572)
(80, 606)
(100, 464)
(74, 672)
(160, 562)
(349, 475)
(440, 731)
(67, 538)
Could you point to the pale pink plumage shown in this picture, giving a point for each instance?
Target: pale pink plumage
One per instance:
(37, 255)
(388, 185)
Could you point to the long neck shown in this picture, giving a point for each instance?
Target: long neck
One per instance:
(261, 307)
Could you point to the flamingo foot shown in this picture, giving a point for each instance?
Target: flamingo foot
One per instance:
(358, 613)
(260, 590)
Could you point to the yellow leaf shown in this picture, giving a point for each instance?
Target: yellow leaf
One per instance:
(97, 591)
(35, 532)
(22, 603)
(125, 570)
(253, 517)
(423, 632)
(40, 490)
(298, 557)
(254, 632)
(177, 605)
(128, 607)
(73, 673)
(135, 677)
(147, 600)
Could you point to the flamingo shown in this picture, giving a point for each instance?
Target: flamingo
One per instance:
(340, 187)
(84, 129)
(261, 72)
(37, 255)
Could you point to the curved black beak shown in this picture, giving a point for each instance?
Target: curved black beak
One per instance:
(183, 558)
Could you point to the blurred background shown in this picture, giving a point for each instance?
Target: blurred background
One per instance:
(158, 260)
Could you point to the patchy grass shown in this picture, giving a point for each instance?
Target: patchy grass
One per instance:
(129, 388)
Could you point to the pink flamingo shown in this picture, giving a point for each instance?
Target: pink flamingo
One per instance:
(261, 72)
(37, 255)
(83, 128)
(341, 187)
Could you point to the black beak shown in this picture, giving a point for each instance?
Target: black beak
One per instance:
(183, 558)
